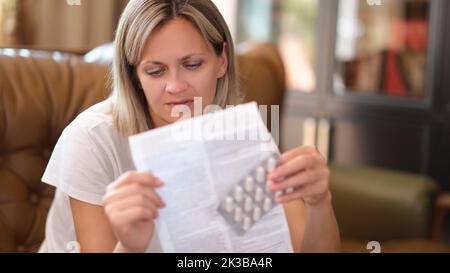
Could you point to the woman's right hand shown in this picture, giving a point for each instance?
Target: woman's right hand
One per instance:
(131, 204)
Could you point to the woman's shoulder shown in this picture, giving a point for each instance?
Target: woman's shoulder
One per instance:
(99, 113)
(93, 128)
(94, 120)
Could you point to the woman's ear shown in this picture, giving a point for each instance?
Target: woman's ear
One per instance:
(223, 62)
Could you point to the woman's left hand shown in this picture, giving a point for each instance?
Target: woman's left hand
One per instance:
(304, 170)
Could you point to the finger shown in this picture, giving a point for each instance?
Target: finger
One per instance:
(136, 214)
(134, 201)
(144, 178)
(133, 190)
(288, 197)
(296, 152)
(298, 163)
(132, 216)
(136, 191)
(303, 192)
(300, 179)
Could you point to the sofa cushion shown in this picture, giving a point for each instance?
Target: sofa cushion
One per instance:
(41, 92)
(375, 204)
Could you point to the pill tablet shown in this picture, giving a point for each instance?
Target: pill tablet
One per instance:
(249, 182)
(238, 193)
(268, 186)
(267, 204)
(248, 204)
(228, 204)
(271, 164)
(237, 214)
(246, 223)
(278, 194)
(259, 194)
(256, 213)
(250, 198)
(260, 175)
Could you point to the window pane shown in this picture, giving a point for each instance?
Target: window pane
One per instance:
(381, 48)
(291, 25)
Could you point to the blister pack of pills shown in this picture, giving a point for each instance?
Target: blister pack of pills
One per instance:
(250, 198)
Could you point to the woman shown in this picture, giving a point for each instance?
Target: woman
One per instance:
(167, 53)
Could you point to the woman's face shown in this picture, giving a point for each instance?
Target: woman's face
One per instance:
(177, 65)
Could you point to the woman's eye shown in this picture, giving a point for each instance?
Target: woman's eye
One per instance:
(156, 73)
(193, 66)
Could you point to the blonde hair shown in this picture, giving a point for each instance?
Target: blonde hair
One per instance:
(139, 19)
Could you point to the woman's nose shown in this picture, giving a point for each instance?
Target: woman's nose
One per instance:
(176, 85)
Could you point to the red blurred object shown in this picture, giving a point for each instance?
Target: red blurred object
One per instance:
(409, 34)
(406, 35)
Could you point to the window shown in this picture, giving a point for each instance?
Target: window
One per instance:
(381, 49)
(291, 25)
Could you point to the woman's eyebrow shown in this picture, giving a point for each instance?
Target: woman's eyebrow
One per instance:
(191, 55)
(180, 59)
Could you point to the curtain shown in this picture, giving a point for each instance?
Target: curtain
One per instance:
(8, 22)
(56, 24)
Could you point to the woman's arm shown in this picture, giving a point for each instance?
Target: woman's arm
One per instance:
(296, 219)
(321, 230)
(125, 223)
(93, 230)
(94, 233)
(308, 207)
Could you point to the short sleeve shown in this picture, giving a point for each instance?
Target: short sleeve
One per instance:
(78, 167)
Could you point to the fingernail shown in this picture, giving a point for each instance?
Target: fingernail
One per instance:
(159, 183)
(279, 199)
(273, 187)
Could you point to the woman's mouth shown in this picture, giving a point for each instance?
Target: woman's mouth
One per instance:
(187, 102)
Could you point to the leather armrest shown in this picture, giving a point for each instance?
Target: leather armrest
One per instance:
(378, 204)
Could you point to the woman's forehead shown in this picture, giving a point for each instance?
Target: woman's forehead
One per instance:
(176, 39)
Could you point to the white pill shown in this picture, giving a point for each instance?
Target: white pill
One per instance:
(256, 214)
(271, 164)
(268, 185)
(248, 203)
(267, 204)
(249, 182)
(260, 175)
(228, 204)
(247, 222)
(278, 194)
(238, 214)
(238, 193)
(259, 194)
(290, 190)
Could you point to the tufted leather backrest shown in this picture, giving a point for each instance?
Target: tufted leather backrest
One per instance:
(40, 94)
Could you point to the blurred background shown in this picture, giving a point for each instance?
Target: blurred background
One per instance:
(367, 82)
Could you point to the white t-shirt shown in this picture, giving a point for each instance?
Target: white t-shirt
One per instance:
(88, 156)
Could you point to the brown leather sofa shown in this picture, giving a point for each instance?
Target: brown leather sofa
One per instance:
(41, 92)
